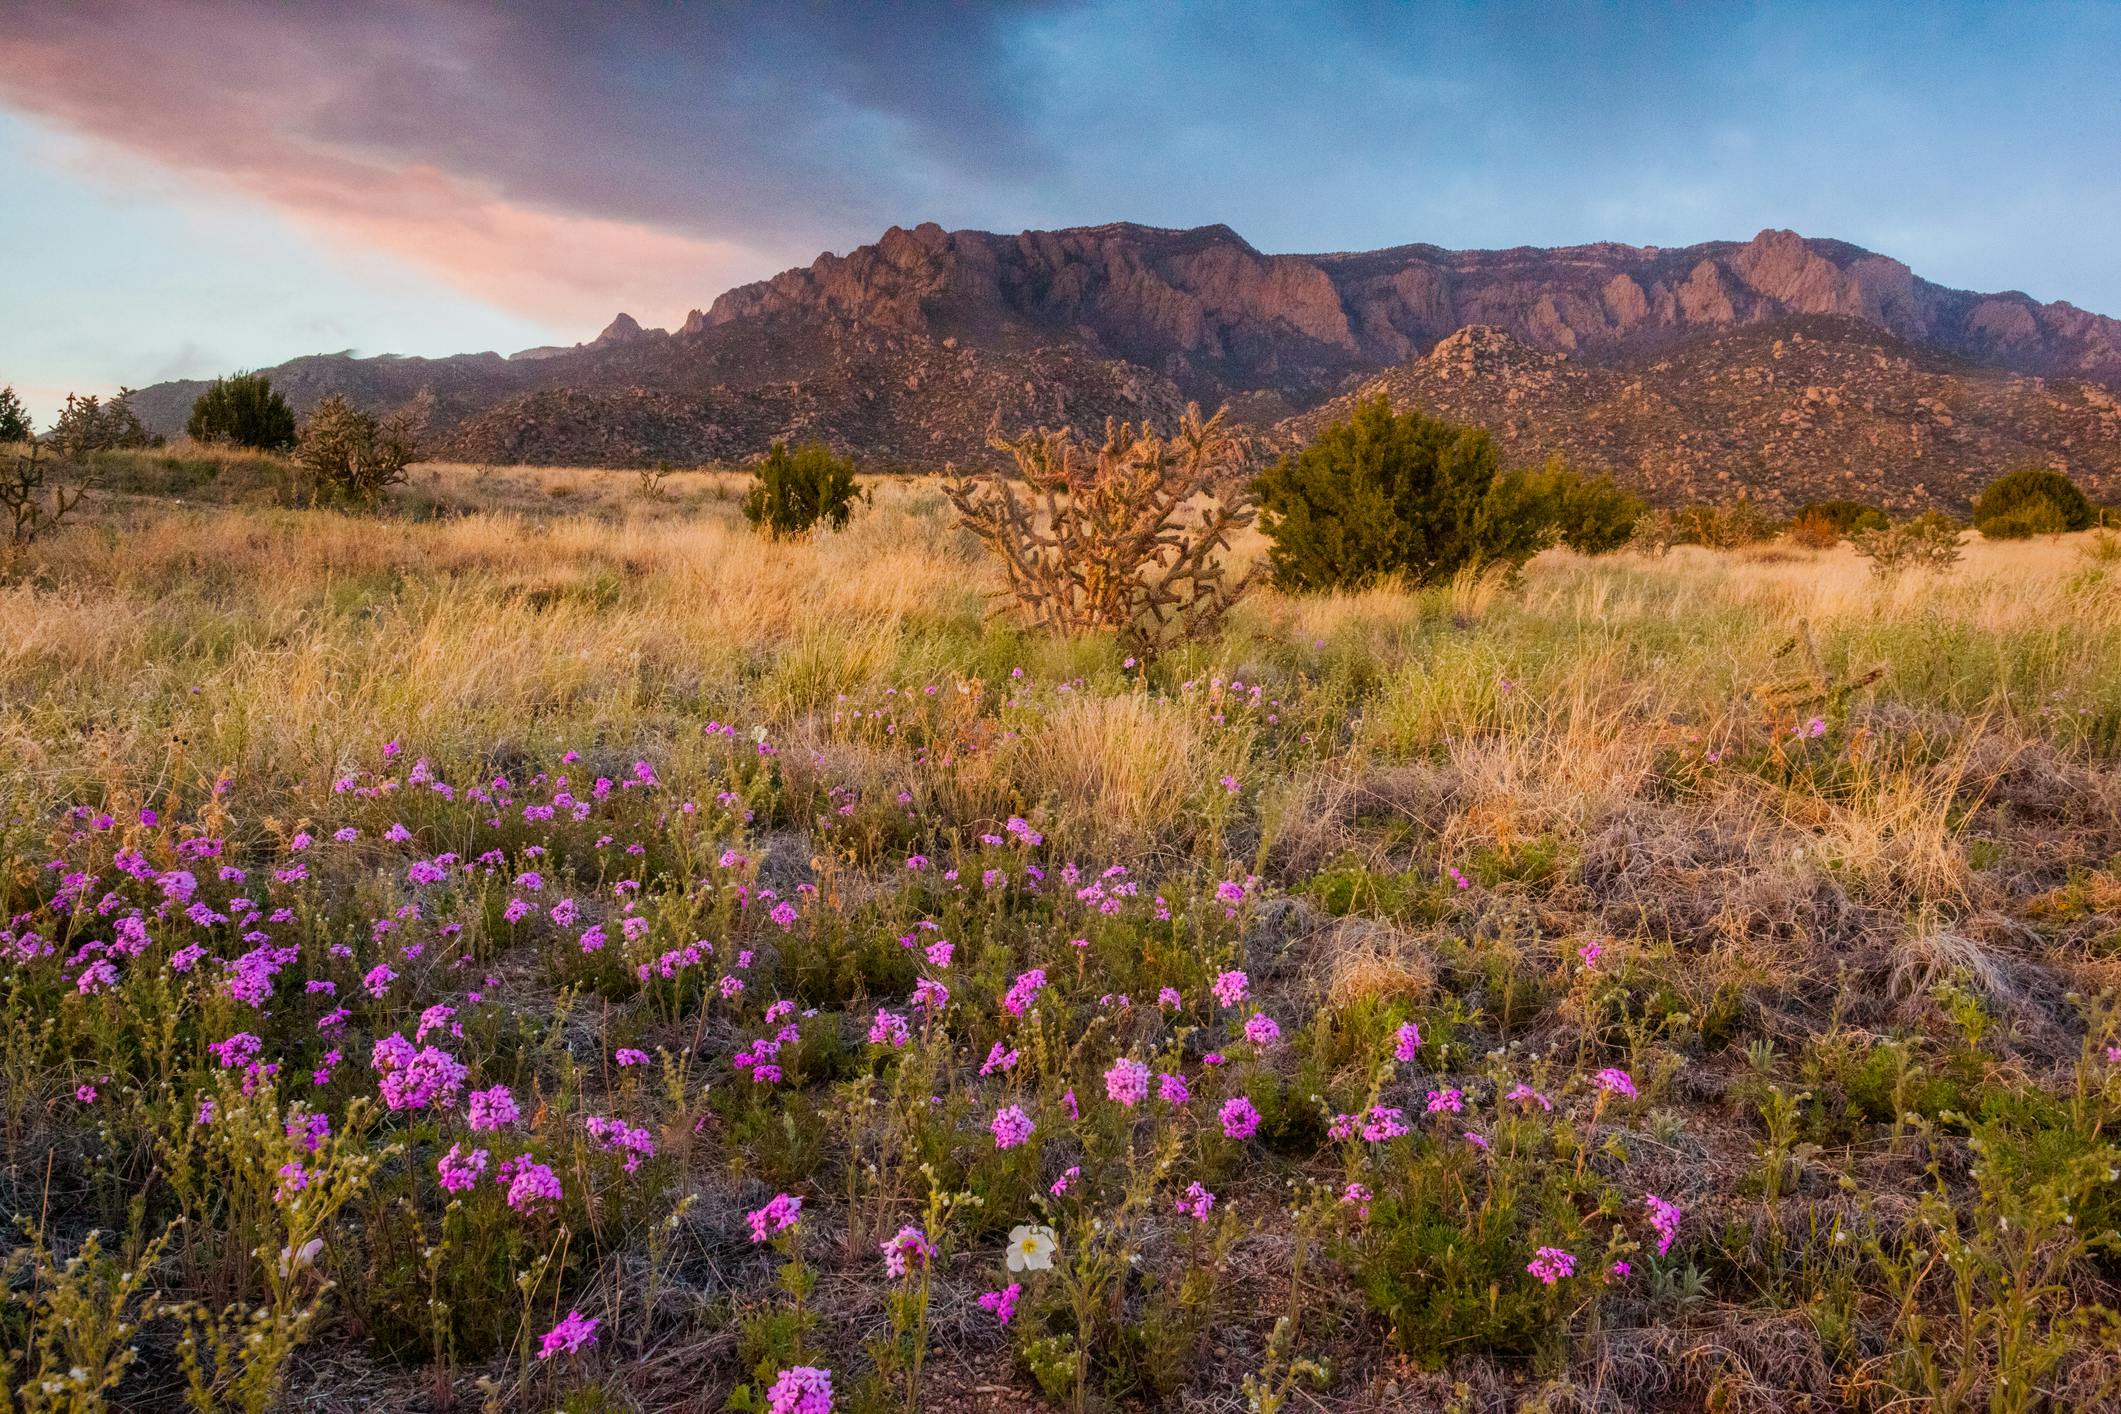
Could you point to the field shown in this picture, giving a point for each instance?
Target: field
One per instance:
(430, 932)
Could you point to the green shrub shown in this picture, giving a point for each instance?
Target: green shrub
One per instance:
(793, 491)
(2032, 518)
(243, 410)
(1386, 494)
(1847, 517)
(14, 418)
(2034, 501)
(353, 455)
(1592, 515)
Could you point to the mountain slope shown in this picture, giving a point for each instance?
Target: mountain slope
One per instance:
(903, 352)
(1805, 408)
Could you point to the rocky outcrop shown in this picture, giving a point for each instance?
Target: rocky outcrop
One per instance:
(626, 330)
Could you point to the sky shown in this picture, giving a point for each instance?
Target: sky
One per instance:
(197, 186)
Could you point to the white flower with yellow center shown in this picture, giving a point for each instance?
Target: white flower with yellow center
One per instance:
(1031, 1248)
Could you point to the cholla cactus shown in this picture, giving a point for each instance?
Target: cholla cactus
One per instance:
(32, 505)
(1128, 538)
(1927, 542)
(353, 455)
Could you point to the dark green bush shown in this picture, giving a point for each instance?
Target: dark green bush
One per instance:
(1386, 494)
(14, 418)
(2034, 501)
(1593, 515)
(1847, 517)
(793, 491)
(245, 411)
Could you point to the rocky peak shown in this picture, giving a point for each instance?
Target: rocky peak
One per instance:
(623, 330)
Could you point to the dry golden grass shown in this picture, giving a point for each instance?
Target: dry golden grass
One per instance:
(557, 602)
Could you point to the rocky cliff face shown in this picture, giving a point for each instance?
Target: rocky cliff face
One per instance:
(864, 349)
(1205, 308)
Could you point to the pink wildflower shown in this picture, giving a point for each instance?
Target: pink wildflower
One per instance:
(906, 1251)
(1127, 1082)
(1664, 1217)
(802, 1390)
(1240, 1120)
(777, 1216)
(1002, 1303)
(1551, 1264)
(571, 1334)
(1406, 1041)
(1011, 1127)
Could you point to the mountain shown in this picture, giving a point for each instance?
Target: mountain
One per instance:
(906, 351)
(1810, 407)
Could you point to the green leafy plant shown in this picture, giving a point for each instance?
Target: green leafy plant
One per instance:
(243, 410)
(2034, 501)
(15, 425)
(1387, 494)
(793, 491)
(1592, 515)
(82, 1321)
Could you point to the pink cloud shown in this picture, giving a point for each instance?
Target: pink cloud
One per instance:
(239, 106)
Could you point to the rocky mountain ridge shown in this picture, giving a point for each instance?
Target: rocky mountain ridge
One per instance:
(904, 352)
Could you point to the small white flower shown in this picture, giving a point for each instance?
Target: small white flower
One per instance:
(1031, 1248)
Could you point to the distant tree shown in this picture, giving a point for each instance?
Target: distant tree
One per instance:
(353, 455)
(2041, 517)
(1384, 494)
(1846, 517)
(793, 491)
(2034, 501)
(88, 424)
(14, 418)
(245, 411)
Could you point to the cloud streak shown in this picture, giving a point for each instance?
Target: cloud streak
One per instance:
(558, 159)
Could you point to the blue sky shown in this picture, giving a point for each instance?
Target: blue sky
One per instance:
(213, 184)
